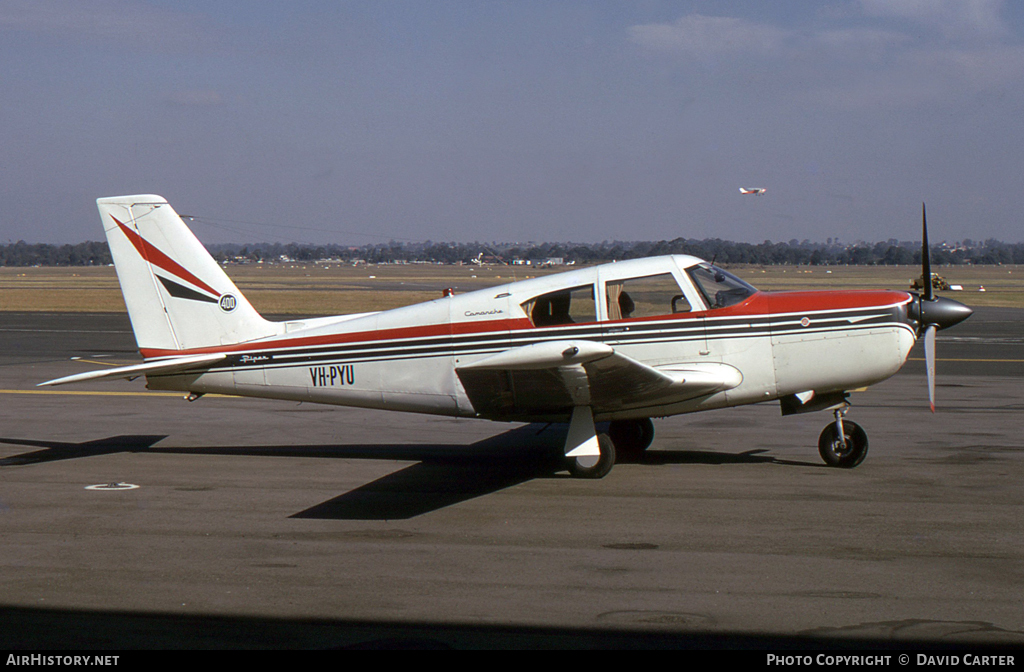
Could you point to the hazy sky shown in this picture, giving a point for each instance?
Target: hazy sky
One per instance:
(548, 120)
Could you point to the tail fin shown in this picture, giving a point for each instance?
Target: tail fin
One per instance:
(178, 298)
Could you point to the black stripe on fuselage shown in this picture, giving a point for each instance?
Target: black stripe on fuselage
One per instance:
(653, 332)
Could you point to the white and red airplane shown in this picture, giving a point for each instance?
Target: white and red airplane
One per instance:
(756, 191)
(618, 343)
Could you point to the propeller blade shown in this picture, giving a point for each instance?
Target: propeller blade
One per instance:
(930, 312)
(929, 362)
(926, 266)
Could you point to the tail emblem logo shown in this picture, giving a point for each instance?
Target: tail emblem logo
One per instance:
(228, 303)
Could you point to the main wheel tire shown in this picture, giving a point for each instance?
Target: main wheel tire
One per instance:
(595, 466)
(631, 437)
(835, 454)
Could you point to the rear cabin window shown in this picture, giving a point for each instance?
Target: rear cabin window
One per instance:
(566, 306)
(645, 297)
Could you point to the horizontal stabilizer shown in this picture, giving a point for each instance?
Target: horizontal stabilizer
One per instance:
(175, 365)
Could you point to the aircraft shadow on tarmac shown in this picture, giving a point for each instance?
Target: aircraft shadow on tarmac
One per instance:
(443, 474)
(29, 629)
(52, 451)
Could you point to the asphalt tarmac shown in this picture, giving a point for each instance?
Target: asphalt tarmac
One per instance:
(264, 524)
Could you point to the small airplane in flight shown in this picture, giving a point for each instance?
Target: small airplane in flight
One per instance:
(619, 343)
(756, 191)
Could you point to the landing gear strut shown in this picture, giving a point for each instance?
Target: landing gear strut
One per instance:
(588, 453)
(594, 466)
(843, 443)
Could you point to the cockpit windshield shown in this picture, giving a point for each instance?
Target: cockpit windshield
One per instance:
(719, 288)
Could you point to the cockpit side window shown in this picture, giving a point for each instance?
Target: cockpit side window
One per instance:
(566, 306)
(644, 297)
(719, 288)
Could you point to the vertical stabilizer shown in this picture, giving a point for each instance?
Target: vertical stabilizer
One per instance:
(178, 297)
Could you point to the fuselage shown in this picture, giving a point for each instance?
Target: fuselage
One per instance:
(659, 311)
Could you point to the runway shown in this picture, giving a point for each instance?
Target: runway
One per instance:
(281, 525)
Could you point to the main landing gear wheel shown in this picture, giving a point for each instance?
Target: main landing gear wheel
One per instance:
(845, 455)
(595, 466)
(631, 437)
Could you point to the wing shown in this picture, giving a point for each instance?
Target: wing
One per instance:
(174, 365)
(546, 380)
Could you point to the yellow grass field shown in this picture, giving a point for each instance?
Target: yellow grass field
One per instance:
(333, 289)
(1003, 285)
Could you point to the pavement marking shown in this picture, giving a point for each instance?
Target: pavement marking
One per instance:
(230, 396)
(972, 359)
(113, 394)
(95, 394)
(91, 361)
(66, 331)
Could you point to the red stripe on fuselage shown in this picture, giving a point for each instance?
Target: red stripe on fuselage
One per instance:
(762, 304)
(797, 302)
(158, 258)
(765, 304)
(427, 331)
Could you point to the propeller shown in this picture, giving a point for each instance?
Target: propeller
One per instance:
(926, 264)
(932, 312)
(929, 362)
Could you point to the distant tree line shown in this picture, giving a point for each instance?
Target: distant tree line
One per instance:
(42, 254)
(891, 252)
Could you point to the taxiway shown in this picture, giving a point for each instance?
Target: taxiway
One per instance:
(273, 524)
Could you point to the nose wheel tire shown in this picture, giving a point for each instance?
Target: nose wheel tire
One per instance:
(594, 466)
(845, 455)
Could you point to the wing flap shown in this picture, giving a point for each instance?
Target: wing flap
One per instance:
(175, 365)
(546, 355)
(543, 381)
(621, 382)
